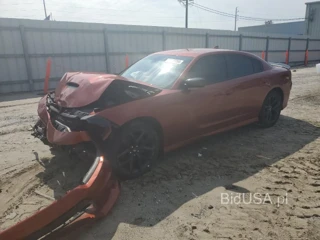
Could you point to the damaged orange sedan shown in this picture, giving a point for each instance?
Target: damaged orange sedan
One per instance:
(162, 102)
(125, 122)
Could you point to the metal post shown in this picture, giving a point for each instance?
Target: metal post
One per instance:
(307, 44)
(240, 42)
(26, 57)
(307, 49)
(187, 6)
(267, 48)
(163, 40)
(207, 40)
(235, 19)
(106, 49)
(289, 46)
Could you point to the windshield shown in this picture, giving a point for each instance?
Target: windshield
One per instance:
(158, 70)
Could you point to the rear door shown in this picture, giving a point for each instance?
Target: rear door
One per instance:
(196, 110)
(211, 104)
(245, 75)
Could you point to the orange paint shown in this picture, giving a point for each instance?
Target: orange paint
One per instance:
(306, 58)
(263, 55)
(46, 80)
(287, 57)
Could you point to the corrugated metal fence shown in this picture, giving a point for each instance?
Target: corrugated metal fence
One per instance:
(26, 44)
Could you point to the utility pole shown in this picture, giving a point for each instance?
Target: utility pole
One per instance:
(235, 19)
(187, 6)
(186, 3)
(45, 10)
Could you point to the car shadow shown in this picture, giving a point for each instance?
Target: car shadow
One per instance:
(217, 161)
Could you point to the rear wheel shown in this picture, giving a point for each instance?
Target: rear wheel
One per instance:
(271, 108)
(134, 149)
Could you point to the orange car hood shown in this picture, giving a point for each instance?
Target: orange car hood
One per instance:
(78, 89)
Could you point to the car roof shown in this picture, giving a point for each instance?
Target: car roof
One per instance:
(193, 52)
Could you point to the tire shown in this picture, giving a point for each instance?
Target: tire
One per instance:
(271, 109)
(134, 149)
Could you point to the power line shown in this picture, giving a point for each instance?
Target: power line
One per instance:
(96, 14)
(225, 14)
(83, 8)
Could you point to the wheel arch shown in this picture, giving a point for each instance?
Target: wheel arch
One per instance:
(278, 90)
(155, 123)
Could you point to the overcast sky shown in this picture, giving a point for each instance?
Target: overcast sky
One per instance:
(153, 12)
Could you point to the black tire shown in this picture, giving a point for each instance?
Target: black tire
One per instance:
(271, 109)
(134, 149)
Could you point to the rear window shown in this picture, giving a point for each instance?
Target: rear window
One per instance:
(257, 65)
(240, 65)
(213, 68)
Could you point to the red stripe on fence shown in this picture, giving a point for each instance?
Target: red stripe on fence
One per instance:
(46, 80)
(287, 57)
(306, 58)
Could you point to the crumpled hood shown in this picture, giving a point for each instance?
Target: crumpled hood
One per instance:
(78, 89)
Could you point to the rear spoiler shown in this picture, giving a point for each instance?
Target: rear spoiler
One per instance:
(280, 65)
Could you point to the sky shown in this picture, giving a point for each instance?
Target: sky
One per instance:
(169, 13)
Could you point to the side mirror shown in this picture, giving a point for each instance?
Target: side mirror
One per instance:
(197, 82)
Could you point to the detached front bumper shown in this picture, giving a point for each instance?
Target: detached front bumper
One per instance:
(92, 199)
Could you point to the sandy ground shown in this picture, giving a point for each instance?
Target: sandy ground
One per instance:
(31, 174)
(188, 196)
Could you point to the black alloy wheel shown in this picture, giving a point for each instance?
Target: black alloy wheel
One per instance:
(135, 150)
(271, 109)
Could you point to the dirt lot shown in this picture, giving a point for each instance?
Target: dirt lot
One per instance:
(181, 198)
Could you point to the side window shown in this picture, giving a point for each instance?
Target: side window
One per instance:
(213, 68)
(257, 66)
(239, 65)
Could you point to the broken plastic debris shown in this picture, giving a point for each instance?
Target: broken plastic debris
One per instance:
(194, 195)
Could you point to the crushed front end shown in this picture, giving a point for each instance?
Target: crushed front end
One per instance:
(58, 125)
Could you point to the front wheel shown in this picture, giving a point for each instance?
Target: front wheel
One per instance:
(134, 149)
(271, 108)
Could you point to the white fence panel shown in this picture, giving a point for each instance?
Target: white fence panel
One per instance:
(314, 56)
(224, 42)
(298, 44)
(276, 44)
(254, 44)
(297, 56)
(185, 41)
(277, 56)
(25, 46)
